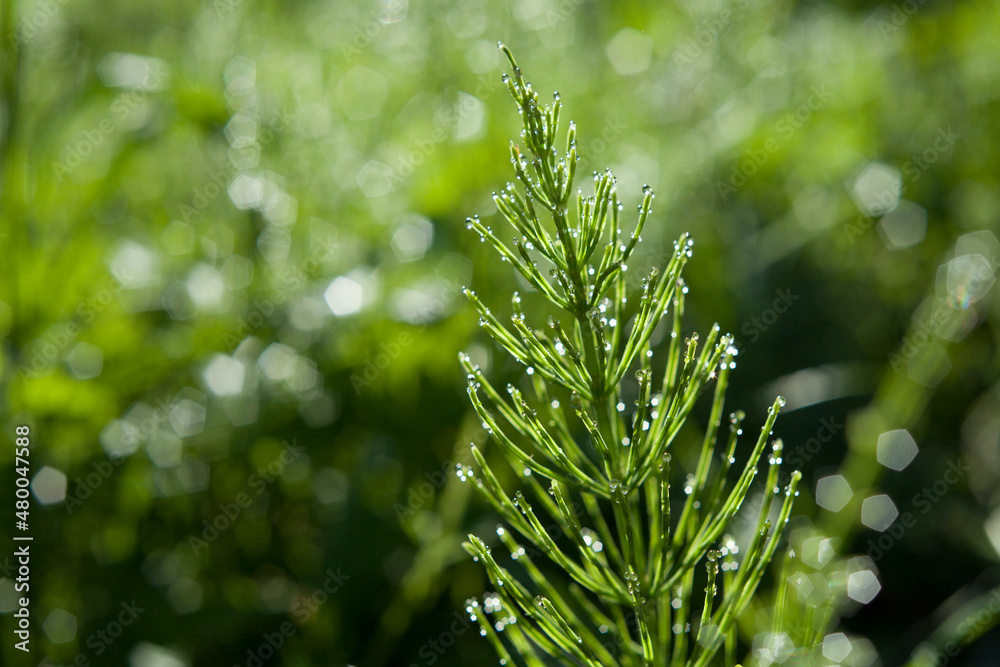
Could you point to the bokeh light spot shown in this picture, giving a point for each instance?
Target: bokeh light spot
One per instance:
(630, 51)
(836, 647)
(904, 226)
(411, 241)
(863, 586)
(49, 486)
(896, 449)
(85, 361)
(833, 493)
(151, 655)
(344, 296)
(60, 626)
(877, 188)
(224, 376)
(375, 179)
(878, 512)
(968, 279)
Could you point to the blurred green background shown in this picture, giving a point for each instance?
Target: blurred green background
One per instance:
(232, 258)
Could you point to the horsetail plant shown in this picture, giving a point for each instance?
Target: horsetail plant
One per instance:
(630, 554)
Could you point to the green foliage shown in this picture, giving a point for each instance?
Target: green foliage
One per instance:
(370, 128)
(628, 593)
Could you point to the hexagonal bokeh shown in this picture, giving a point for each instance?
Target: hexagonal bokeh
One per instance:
(709, 636)
(833, 492)
(968, 279)
(206, 288)
(178, 238)
(980, 243)
(345, 296)
(878, 512)
(412, 239)
(772, 647)
(630, 51)
(237, 272)
(60, 626)
(811, 589)
(928, 364)
(362, 91)
(165, 449)
(224, 375)
(863, 586)
(466, 19)
(85, 361)
(836, 647)
(817, 551)
(375, 178)
(146, 654)
(904, 226)
(188, 414)
(278, 362)
(240, 76)
(241, 130)
(876, 189)
(896, 449)
(49, 486)
(246, 191)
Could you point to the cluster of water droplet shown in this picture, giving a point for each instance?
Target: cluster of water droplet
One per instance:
(590, 538)
(728, 552)
(464, 473)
